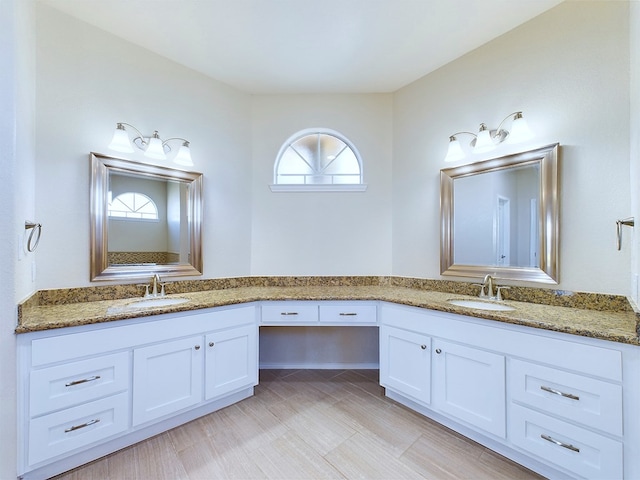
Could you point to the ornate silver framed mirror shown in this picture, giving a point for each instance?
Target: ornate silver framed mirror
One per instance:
(145, 220)
(501, 217)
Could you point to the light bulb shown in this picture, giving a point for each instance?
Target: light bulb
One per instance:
(520, 130)
(454, 153)
(484, 142)
(184, 156)
(120, 141)
(155, 149)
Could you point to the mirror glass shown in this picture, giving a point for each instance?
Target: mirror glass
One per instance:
(145, 219)
(500, 217)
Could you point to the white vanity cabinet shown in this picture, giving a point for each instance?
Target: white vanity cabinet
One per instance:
(405, 362)
(469, 384)
(231, 358)
(87, 391)
(77, 403)
(167, 378)
(458, 380)
(563, 405)
(570, 418)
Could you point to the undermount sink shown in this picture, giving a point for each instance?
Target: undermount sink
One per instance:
(155, 302)
(481, 305)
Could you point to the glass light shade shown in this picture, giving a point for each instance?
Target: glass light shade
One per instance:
(155, 148)
(484, 142)
(184, 156)
(520, 131)
(454, 153)
(120, 141)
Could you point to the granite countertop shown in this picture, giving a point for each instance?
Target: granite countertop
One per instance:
(602, 317)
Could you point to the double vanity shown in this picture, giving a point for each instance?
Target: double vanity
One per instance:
(551, 381)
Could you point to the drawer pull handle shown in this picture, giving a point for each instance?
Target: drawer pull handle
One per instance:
(288, 313)
(197, 347)
(349, 314)
(423, 347)
(558, 392)
(438, 351)
(84, 380)
(78, 427)
(559, 443)
(211, 344)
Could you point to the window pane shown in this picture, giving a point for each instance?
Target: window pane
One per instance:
(290, 162)
(318, 158)
(307, 147)
(346, 162)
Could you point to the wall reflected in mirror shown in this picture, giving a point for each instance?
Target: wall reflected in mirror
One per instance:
(148, 220)
(145, 219)
(500, 217)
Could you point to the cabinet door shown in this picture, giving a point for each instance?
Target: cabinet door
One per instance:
(405, 362)
(469, 384)
(231, 360)
(167, 377)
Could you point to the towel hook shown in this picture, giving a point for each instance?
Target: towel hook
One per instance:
(34, 227)
(628, 222)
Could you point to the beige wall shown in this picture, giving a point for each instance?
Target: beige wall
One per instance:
(87, 81)
(634, 42)
(568, 70)
(322, 233)
(17, 160)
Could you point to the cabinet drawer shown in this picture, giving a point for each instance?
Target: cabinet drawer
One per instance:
(348, 313)
(583, 452)
(289, 313)
(70, 384)
(594, 403)
(64, 431)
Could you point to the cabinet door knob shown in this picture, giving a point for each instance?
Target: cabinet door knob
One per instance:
(197, 347)
(211, 344)
(424, 347)
(438, 351)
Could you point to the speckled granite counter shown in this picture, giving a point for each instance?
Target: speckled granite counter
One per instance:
(606, 317)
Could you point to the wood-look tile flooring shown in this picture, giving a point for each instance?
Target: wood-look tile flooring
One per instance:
(307, 424)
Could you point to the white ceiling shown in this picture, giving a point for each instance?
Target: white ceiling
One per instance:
(308, 46)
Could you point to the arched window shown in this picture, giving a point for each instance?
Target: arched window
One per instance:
(318, 160)
(132, 205)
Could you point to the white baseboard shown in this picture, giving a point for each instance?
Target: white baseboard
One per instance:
(319, 366)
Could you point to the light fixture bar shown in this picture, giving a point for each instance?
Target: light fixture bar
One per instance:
(488, 139)
(154, 147)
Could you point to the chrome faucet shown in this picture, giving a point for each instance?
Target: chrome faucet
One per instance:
(487, 284)
(156, 281)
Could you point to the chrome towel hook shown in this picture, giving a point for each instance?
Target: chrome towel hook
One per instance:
(34, 238)
(628, 222)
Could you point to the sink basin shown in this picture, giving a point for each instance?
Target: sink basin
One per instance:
(155, 302)
(481, 305)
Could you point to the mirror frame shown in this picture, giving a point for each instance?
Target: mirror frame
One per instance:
(101, 167)
(547, 158)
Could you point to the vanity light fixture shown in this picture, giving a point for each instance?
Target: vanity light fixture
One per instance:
(486, 140)
(153, 146)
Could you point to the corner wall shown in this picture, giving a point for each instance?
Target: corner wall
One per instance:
(17, 127)
(634, 171)
(330, 233)
(568, 71)
(87, 81)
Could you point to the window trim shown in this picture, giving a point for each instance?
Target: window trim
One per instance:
(317, 187)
